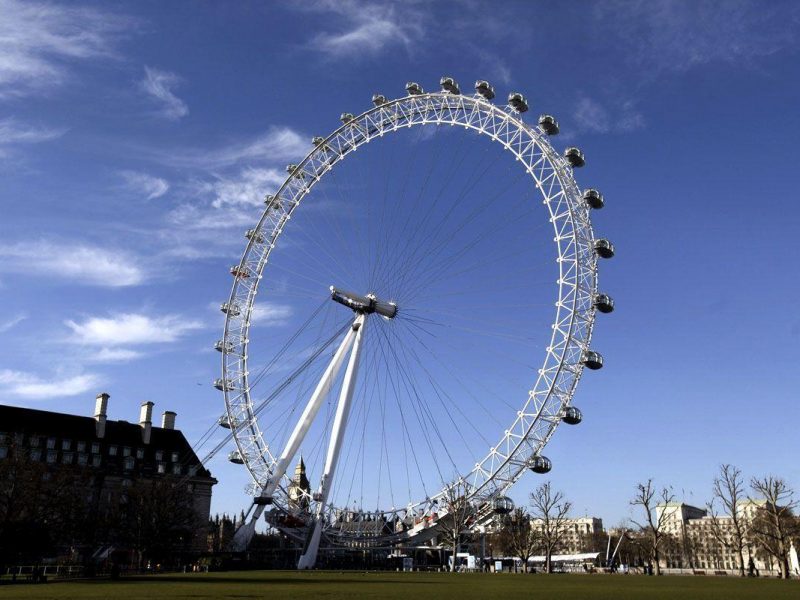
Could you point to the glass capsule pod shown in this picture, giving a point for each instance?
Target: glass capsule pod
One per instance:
(483, 88)
(575, 157)
(548, 124)
(572, 416)
(593, 360)
(518, 102)
(594, 199)
(604, 248)
(540, 464)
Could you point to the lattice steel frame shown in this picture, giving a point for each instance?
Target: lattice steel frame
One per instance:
(572, 329)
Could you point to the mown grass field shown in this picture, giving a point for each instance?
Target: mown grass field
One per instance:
(409, 586)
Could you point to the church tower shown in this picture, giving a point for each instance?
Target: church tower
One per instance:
(299, 489)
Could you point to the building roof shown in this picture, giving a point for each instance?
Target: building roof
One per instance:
(29, 421)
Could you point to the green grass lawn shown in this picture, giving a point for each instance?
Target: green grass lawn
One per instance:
(409, 586)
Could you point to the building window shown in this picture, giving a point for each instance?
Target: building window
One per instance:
(140, 453)
(81, 447)
(95, 448)
(3, 452)
(112, 450)
(51, 443)
(159, 455)
(174, 457)
(52, 456)
(193, 470)
(176, 469)
(127, 483)
(34, 441)
(162, 468)
(83, 459)
(65, 444)
(36, 455)
(96, 460)
(128, 463)
(66, 458)
(126, 451)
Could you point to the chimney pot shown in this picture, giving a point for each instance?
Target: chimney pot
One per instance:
(100, 408)
(146, 421)
(168, 420)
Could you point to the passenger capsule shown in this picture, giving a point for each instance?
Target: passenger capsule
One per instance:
(502, 505)
(604, 303)
(230, 309)
(572, 416)
(295, 171)
(548, 124)
(224, 422)
(484, 89)
(223, 346)
(449, 85)
(236, 458)
(575, 157)
(317, 140)
(604, 248)
(414, 89)
(594, 199)
(593, 360)
(540, 464)
(518, 102)
(378, 99)
(346, 117)
(223, 385)
(240, 272)
(254, 235)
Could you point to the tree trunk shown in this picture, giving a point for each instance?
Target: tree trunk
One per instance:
(657, 566)
(741, 563)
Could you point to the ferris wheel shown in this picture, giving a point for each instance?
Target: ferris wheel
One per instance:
(404, 341)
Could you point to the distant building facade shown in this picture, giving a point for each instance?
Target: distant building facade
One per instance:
(110, 460)
(695, 541)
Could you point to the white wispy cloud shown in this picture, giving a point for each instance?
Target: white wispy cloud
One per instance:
(275, 145)
(130, 329)
(39, 42)
(27, 385)
(159, 86)
(264, 313)
(114, 355)
(77, 263)
(269, 314)
(593, 117)
(14, 133)
(12, 322)
(247, 187)
(367, 28)
(149, 186)
(676, 36)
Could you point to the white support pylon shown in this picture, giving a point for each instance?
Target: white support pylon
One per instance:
(244, 534)
(309, 557)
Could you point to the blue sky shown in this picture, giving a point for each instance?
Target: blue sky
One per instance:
(137, 140)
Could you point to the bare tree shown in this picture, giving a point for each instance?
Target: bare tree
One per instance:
(774, 524)
(518, 537)
(654, 520)
(729, 491)
(459, 515)
(550, 510)
(156, 519)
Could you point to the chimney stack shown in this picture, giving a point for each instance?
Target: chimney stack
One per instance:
(168, 420)
(100, 408)
(146, 421)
